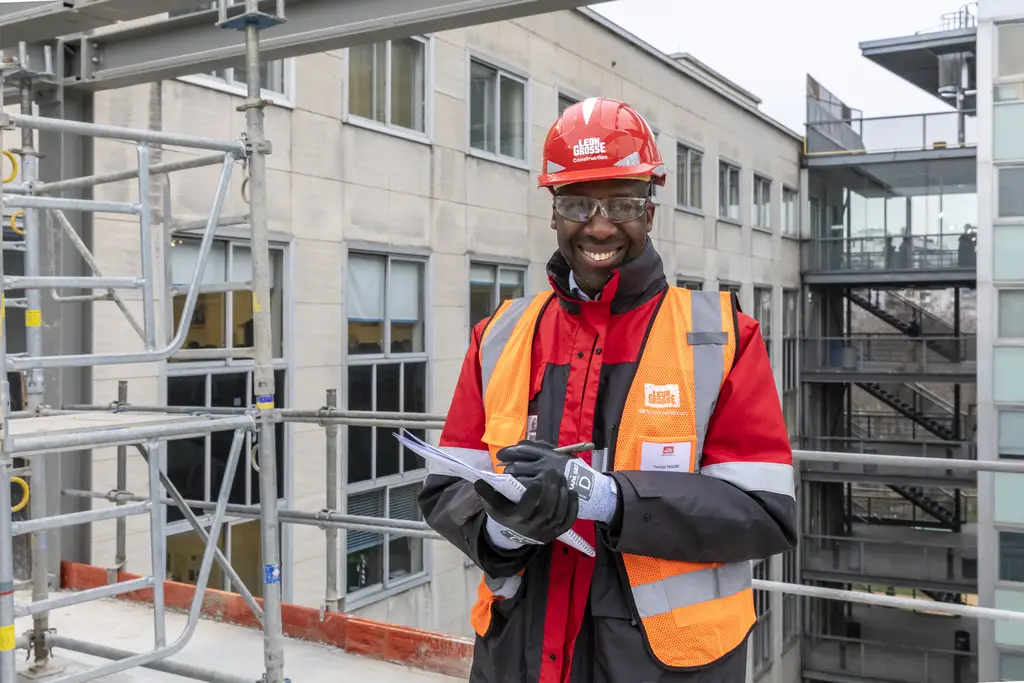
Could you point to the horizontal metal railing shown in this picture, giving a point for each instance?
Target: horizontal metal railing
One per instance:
(877, 253)
(893, 353)
(875, 660)
(910, 132)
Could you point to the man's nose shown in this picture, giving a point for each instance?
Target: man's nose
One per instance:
(600, 228)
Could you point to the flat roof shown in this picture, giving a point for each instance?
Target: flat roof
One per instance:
(914, 58)
(217, 646)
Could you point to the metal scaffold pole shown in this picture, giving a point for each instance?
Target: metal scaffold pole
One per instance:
(8, 658)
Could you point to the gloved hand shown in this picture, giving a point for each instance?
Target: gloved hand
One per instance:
(546, 511)
(598, 492)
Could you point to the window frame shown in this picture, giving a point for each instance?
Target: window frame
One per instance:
(723, 208)
(761, 633)
(790, 217)
(757, 312)
(761, 188)
(498, 265)
(506, 71)
(426, 136)
(227, 530)
(731, 286)
(224, 81)
(655, 188)
(1000, 582)
(685, 282)
(790, 384)
(684, 175)
(561, 93)
(230, 241)
(375, 592)
(997, 218)
(790, 603)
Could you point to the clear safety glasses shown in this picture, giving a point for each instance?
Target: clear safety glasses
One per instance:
(615, 209)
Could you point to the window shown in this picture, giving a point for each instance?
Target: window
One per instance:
(1007, 140)
(1011, 313)
(196, 466)
(790, 602)
(1011, 556)
(655, 189)
(489, 285)
(387, 372)
(387, 82)
(385, 304)
(1010, 56)
(763, 314)
(790, 369)
(1010, 434)
(239, 541)
(728, 191)
(564, 102)
(224, 320)
(790, 213)
(694, 285)
(1007, 245)
(690, 183)
(1011, 191)
(1011, 666)
(273, 74)
(497, 111)
(731, 287)
(762, 633)
(761, 210)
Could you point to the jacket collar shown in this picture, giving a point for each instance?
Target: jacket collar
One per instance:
(630, 285)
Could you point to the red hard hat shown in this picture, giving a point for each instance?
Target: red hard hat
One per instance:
(600, 139)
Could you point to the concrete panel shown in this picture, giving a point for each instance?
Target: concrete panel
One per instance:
(318, 84)
(317, 207)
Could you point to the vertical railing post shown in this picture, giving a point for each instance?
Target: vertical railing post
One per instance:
(121, 531)
(331, 428)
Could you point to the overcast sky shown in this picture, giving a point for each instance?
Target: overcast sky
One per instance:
(769, 47)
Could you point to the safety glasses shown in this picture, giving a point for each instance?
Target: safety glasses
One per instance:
(615, 209)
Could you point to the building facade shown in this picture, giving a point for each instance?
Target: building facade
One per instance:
(1000, 48)
(403, 208)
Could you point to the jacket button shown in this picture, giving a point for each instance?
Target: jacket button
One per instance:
(598, 352)
(552, 656)
(579, 354)
(647, 517)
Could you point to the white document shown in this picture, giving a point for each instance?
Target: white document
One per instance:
(505, 484)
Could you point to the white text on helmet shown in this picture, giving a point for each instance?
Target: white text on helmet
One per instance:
(588, 147)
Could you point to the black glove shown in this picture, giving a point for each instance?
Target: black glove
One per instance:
(528, 460)
(546, 511)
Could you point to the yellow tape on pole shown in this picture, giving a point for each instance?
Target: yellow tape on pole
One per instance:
(33, 318)
(6, 638)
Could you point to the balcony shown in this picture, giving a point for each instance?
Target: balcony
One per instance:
(943, 564)
(838, 659)
(948, 258)
(912, 137)
(889, 474)
(887, 358)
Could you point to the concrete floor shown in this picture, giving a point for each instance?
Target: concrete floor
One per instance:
(216, 646)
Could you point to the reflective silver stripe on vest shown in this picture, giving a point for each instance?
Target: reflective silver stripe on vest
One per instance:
(708, 343)
(473, 457)
(503, 588)
(691, 588)
(497, 335)
(755, 476)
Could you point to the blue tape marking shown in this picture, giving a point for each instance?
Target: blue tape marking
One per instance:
(264, 399)
(271, 573)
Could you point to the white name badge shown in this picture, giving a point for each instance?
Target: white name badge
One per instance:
(666, 457)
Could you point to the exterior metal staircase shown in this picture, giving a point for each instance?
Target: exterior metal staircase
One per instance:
(923, 407)
(899, 310)
(946, 515)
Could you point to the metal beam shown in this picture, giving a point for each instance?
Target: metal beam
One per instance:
(45, 21)
(192, 43)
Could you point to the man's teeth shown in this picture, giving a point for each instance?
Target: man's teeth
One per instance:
(599, 256)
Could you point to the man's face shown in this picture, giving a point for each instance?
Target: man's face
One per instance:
(592, 244)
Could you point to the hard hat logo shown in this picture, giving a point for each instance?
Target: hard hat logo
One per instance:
(600, 139)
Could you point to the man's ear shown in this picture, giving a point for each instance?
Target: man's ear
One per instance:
(554, 219)
(650, 216)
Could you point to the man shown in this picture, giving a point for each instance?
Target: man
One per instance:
(690, 477)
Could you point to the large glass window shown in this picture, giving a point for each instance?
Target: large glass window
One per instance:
(790, 602)
(387, 82)
(497, 111)
(197, 466)
(690, 179)
(761, 209)
(1011, 666)
(1010, 191)
(489, 285)
(1010, 57)
(1008, 245)
(224, 320)
(1007, 370)
(790, 368)
(1011, 556)
(241, 544)
(275, 79)
(387, 372)
(1011, 313)
(728, 191)
(1010, 431)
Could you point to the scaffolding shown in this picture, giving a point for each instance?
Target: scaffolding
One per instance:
(42, 435)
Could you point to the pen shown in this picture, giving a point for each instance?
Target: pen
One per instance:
(576, 448)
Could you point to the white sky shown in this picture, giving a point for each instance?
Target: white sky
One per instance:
(769, 47)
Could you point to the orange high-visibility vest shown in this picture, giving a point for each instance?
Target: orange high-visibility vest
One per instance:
(692, 613)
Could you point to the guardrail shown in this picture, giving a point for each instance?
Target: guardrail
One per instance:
(889, 353)
(943, 251)
(907, 133)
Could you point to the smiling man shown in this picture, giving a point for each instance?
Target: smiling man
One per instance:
(690, 474)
